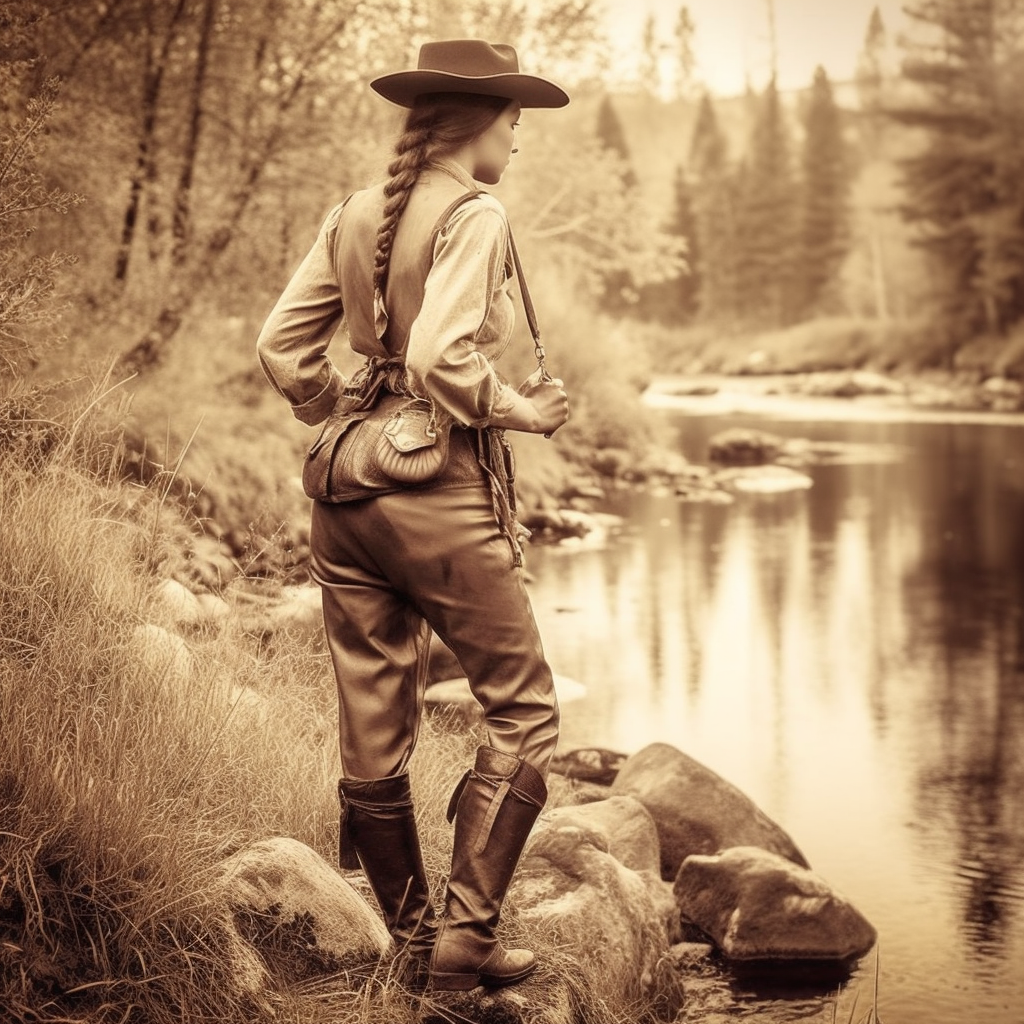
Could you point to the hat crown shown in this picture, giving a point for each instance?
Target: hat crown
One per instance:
(472, 58)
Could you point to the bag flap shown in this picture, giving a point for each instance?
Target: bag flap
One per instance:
(410, 429)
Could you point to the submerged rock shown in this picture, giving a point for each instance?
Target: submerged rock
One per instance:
(742, 447)
(764, 479)
(756, 905)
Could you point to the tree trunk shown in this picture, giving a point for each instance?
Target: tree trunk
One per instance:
(193, 274)
(145, 169)
(878, 269)
(181, 227)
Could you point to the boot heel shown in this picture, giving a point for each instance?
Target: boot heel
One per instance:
(500, 980)
(448, 982)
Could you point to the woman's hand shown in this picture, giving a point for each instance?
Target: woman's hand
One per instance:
(549, 399)
(540, 406)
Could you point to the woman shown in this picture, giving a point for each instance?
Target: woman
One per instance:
(419, 268)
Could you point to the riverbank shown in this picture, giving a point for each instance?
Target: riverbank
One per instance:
(928, 392)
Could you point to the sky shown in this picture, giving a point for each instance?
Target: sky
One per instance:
(732, 38)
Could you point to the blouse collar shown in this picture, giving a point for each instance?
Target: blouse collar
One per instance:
(455, 170)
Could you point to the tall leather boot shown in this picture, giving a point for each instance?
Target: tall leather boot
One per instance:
(494, 808)
(378, 826)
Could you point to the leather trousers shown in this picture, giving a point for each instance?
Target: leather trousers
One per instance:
(392, 568)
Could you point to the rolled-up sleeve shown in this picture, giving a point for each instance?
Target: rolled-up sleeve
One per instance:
(442, 359)
(292, 346)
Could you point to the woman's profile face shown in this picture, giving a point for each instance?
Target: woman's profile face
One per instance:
(493, 149)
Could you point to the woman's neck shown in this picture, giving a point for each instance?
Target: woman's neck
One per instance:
(456, 168)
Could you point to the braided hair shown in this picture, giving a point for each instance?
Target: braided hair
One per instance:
(438, 124)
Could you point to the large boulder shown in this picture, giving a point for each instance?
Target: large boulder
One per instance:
(298, 912)
(756, 905)
(625, 827)
(695, 810)
(574, 892)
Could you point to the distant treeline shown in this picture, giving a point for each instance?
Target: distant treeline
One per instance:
(209, 137)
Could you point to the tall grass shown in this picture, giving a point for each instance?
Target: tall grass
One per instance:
(133, 759)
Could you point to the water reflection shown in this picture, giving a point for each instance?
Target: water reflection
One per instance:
(852, 657)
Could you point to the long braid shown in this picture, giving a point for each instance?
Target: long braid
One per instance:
(413, 154)
(437, 124)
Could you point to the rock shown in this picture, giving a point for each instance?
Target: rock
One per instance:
(623, 823)
(764, 479)
(698, 390)
(300, 914)
(570, 888)
(566, 792)
(756, 905)
(164, 653)
(589, 764)
(298, 608)
(741, 447)
(1002, 386)
(695, 810)
(851, 384)
(560, 994)
(214, 608)
(178, 603)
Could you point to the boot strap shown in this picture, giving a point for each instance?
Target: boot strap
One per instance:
(347, 858)
(453, 804)
(492, 812)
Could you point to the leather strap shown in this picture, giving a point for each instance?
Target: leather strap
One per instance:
(524, 291)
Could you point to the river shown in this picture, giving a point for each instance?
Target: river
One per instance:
(851, 656)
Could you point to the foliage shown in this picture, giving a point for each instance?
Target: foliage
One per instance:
(27, 279)
(964, 188)
(577, 220)
(674, 300)
(766, 217)
(137, 757)
(715, 212)
(824, 228)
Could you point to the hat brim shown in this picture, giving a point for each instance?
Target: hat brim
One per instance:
(402, 87)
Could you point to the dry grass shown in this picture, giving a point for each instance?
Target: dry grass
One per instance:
(135, 759)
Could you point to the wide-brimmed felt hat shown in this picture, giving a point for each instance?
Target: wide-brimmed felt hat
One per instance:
(473, 66)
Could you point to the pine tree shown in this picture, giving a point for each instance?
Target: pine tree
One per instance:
(650, 64)
(618, 292)
(872, 67)
(674, 300)
(965, 188)
(767, 225)
(824, 228)
(612, 137)
(687, 60)
(713, 245)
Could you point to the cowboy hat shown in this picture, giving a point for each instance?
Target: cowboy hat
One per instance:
(473, 66)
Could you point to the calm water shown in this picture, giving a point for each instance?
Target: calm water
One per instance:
(852, 657)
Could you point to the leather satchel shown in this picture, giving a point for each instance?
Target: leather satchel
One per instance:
(413, 445)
